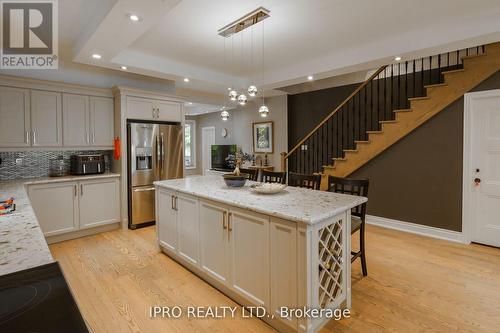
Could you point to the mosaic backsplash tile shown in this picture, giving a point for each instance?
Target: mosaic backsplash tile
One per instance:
(36, 163)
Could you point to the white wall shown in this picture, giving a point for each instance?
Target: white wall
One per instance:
(239, 128)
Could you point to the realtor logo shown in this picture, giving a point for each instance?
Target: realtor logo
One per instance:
(29, 35)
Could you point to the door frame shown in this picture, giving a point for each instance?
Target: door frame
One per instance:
(468, 203)
(203, 138)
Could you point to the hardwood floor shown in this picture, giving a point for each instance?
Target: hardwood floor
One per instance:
(414, 284)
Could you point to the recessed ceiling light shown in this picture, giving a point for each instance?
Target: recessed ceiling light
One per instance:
(310, 77)
(398, 58)
(189, 103)
(133, 17)
(186, 79)
(124, 68)
(96, 56)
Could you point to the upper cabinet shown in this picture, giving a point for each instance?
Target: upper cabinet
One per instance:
(31, 116)
(102, 117)
(15, 127)
(46, 118)
(140, 108)
(88, 120)
(76, 120)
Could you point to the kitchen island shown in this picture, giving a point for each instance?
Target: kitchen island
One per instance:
(290, 249)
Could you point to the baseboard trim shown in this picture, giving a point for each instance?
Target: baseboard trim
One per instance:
(418, 229)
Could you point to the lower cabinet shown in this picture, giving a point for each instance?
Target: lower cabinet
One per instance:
(253, 255)
(99, 202)
(71, 206)
(55, 206)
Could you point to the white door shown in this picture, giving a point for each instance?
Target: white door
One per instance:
(482, 178)
(169, 111)
(166, 219)
(46, 118)
(188, 224)
(99, 202)
(76, 120)
(55, 206)
(102, 119)
(249, 256)
(207, 140)
(140, 108)
(14, 117)
(214, 252)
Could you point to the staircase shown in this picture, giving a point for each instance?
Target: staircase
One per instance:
(390, 104)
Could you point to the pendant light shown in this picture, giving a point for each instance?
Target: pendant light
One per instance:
(252, 90)
(224, 115)
(263, 110)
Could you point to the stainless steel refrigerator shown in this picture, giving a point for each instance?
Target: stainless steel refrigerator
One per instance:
(155, 152)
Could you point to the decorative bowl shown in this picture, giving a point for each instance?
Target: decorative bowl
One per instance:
(268, 188)
(232, 180)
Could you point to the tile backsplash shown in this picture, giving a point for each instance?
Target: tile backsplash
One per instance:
(36, 163)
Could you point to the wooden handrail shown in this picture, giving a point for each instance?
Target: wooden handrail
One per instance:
(285, 157)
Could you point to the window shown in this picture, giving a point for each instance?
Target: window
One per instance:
(189, 144)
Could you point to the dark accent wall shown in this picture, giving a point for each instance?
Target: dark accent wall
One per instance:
(419, 179)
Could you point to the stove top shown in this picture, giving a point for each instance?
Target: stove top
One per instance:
(38, 300)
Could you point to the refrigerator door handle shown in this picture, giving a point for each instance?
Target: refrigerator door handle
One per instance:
(158, 154)
(162, 140)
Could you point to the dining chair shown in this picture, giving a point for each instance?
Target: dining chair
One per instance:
(358, 214)
(250, 174)
(273, 177)
(305, 181)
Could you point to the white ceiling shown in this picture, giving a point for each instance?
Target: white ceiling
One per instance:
(178, 38)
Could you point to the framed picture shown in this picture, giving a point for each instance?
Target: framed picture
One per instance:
(263, 137)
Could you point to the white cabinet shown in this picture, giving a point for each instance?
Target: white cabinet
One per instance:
(95, 207)
(64, 207)
(249, 255)
(55, 206)
(15, 124)
(188, 227)
(75, 120)
(153, 109)
(214, 245)
(283, 259)
(46, 118)
(166, 219)
(87, 121)
(102, 120)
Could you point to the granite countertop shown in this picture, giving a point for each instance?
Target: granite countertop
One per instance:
(22, 244)
(294, 204)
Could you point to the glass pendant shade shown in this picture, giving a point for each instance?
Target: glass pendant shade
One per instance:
(233, 94)
(263, 111)
(224, 115)
(242, 99)
(252, 91)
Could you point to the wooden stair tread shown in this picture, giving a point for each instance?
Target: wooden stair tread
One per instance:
(374, 132)
(402, 110)
(362, 142)
(418, 98)
(435, 85)
(339, 158)
(454, 71)
(350, 150)
(391, 121)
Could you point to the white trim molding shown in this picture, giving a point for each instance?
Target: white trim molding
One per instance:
(418, 229)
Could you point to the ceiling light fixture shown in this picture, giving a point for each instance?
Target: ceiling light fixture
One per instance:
(186, 80)
(189, 103)
(310, 77)
(398, 58)
(124, 68)
(133, 17)
(242, 99)
(96, 56)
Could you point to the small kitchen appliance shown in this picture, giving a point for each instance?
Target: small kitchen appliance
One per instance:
(87, 164)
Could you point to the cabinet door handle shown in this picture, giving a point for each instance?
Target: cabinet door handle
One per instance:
(224, 225)
(86, 137)
(229, 220)
(27, 137)
(81, 189)
(93, 137)
(75, 190)
(34, 137)
(172, 202)
(176, 203)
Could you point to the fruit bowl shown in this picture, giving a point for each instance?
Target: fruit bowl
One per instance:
(232, 180)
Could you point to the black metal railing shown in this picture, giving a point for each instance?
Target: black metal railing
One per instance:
(375, 100)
